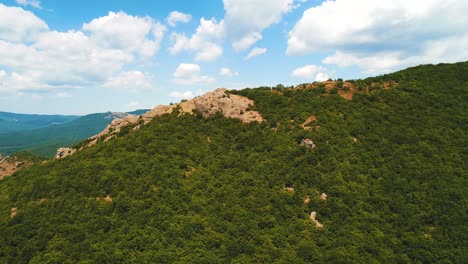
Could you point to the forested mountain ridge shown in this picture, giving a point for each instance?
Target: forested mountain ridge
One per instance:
(188, 188)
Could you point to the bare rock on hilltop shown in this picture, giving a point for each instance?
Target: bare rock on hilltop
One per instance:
(64, 152)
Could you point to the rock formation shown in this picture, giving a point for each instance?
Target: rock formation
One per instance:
(9, 165)
(308, 143)
(313, 217)
(13, 212)
(309, 120)
(323, 197)
(229, 105)
(64, 152)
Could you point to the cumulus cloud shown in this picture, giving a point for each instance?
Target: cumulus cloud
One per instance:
(134, 105)
(141, 35)
(32, 57)
(187, 74)
(381, 34)
(132, 80)
(255, 52)
(227, 72)
(186, 94)
(205, 42)
(311, 71)
(63, 95)
(246, 19)
(178, 17)
(17, 24)
(33, 3)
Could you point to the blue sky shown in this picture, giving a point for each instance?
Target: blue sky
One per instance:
(80, 57)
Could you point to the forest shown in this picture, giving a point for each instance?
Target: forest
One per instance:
(190, 189)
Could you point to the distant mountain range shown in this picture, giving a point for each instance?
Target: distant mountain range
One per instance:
(19, 122)
(43, 134)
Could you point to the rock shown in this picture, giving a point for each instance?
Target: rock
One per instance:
(323, 197)
(13, 212)
(9, 165)
(307, 199)
(289, 189)
(309, 120)
(313, 217)
(64, 152)
(308, 143)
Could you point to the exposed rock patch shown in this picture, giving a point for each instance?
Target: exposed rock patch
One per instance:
(309, 120)
(13, 212)
(323, 197)
(106, 199)
(308, 143)
(307, 199)
(313, 217)
(64, 152)
(9, 165)
(289, 189)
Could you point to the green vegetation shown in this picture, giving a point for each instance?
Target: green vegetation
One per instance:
(45, 141)
(187, 189)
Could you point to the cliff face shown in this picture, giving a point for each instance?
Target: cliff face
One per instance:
(229, 105)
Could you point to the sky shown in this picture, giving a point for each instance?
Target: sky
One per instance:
(81, 57)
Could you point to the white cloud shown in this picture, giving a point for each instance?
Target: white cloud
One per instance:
(255, 52)
(311, 71)
(452, 49)
(141, 35)
(186, 94)
(34, 58)
(63, 95)
(178, 17)
(381, 35)
(246, 41)
(17, 24)
(134, 105)
(190, 74)
(246, 19)
(33, 3)
(227, 72)
(132, 80)
(321, 76)
(205, 42)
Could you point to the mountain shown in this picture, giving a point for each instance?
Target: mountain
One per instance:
(18, 122)
(45, 141)
(358, 171)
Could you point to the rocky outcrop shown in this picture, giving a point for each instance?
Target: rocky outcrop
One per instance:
(308, 143)
(323, 197)
(113, 115)
(13, 212)
(217, 101)
(306, 124)
(9, 165)
(313, 217)
(64, 152)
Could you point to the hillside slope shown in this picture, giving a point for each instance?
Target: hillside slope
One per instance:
(45, 141)
(383, 173)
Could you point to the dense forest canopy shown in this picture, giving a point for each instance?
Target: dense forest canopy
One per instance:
(188, 189)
